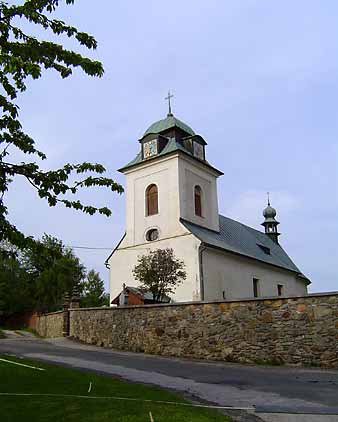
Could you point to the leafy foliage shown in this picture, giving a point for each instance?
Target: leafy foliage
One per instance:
(159, 272)
(16, 293)
(54, 270)
(39, 277)
(24, 56)
(93, 294)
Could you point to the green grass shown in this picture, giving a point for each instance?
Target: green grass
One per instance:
(29, 330)
(2, 335)
(59, 380)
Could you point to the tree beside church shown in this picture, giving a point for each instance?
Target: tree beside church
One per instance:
(159, 273)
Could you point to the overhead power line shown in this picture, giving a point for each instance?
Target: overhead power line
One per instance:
(88, 247)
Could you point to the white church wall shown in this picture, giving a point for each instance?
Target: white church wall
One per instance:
(192, 173)
(163, 173)
(185, 247)
(233, 275)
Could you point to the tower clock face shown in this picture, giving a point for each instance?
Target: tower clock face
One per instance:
(150, 148)
(198, 151)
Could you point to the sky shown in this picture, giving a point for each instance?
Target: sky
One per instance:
(257, 79)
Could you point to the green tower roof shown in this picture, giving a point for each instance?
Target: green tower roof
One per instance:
(169, 122)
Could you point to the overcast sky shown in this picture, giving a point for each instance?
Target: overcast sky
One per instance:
(257, 79)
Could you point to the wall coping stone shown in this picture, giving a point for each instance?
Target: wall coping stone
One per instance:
(161, 305)
(52, 313)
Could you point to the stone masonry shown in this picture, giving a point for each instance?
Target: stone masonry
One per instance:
(50, 325)
(295, 330)
(56, 324)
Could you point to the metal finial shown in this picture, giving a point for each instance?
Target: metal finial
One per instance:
(268, 193)
(169, 102)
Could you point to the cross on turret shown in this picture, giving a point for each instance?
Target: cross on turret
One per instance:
(169, 102)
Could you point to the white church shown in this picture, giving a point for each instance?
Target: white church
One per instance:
(171, 202)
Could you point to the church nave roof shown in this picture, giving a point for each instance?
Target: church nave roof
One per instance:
(244, 240)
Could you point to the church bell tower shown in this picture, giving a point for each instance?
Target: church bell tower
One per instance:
(168, 181)
(270, 223)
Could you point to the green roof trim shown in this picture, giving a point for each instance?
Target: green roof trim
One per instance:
(172, 146)
(169, 122)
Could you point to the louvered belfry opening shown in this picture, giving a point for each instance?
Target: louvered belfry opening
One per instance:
(198, 201)
(152, 200)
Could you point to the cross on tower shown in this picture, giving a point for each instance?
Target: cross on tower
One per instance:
(169, 102)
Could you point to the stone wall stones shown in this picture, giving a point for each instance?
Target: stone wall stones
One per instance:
(297, 330)
(50, 325)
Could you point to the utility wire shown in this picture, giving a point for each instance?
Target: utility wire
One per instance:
(104, 249)
(88, 247)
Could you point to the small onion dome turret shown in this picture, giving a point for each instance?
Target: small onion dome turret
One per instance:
(269, 213)
(270, 223)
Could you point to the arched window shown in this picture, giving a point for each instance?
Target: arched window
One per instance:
(152, 200)
(198, 201)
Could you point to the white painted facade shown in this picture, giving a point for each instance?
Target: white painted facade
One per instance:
(185, 246)
(229, 276)
(175, 178)
(192, 173)
(211, 274)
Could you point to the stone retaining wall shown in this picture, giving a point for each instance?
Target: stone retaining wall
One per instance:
(298, 330)
(51, 325)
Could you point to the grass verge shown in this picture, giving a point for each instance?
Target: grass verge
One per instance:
(18, 330)
(30, 330)
(56, 380)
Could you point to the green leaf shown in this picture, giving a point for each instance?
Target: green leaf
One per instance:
(24, 56)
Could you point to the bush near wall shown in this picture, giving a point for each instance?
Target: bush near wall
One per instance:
(20, 320)
(297, 330)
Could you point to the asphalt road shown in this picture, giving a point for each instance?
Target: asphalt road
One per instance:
(268, 389)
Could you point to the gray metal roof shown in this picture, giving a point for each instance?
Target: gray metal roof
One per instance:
(244, 240)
